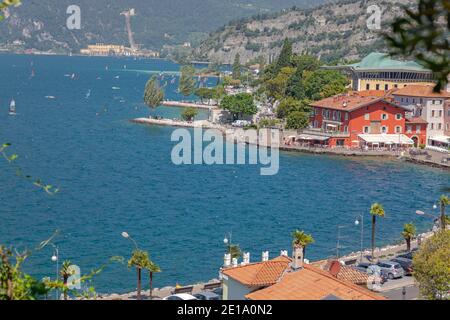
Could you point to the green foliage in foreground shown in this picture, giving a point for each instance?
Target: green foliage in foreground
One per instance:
(422, 33)
(7, 3)
(431, 267)
(187, 81)
(11, 159)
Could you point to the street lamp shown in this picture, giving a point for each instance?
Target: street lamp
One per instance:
(358, 221)
(338, 245)
(55, 258)
(127, 236)
(227, 242)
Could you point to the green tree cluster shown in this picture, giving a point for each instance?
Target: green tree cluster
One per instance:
(237, 67)
(431, 265)
(239, 105)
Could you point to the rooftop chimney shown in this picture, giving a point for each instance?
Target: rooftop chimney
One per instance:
(297, 258)
(246, 258)
(227, 260)
(235, 262)
(265, 256)
(284, 253)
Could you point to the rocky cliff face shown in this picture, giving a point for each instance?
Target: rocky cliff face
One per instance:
(332, 31)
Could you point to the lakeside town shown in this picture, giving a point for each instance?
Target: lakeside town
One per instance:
(379, 106)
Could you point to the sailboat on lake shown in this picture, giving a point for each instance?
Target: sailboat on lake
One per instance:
(12, 108)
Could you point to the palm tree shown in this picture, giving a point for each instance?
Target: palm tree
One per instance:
(235, 251)
(152, 268)
(65, 273)
(302, 240)
(140, 260)
(376, 210)
(409, 231)
(443, 201)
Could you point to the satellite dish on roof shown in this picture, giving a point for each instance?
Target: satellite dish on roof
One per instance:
(335, 268)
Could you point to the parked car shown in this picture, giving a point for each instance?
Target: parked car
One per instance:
(181, 296)
(207, 295)
(372, 269)
(241, 123)
(219, 292)
(406, 265)
(408, 255)
(393, 269)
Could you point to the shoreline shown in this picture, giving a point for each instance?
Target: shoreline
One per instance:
(333, 152)
(381, 253)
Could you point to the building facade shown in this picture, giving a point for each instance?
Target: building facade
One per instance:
(378, 71)
(432, 107)
(356, 119)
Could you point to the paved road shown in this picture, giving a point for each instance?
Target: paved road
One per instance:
(393, 289)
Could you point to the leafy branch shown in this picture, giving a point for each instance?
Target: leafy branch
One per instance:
(8, 3)
(422, 33)
(11, 159)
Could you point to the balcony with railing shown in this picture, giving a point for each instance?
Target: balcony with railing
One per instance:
(326, 133)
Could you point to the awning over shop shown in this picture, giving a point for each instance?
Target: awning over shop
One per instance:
(442, 139)
(312, 137)
(386, 138)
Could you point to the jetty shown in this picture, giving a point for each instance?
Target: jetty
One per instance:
(177, 123)
(170, 103)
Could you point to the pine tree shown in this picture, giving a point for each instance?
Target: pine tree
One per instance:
(237, 66)
(284, 59)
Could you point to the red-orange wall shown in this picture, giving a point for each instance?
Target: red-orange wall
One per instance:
(356, 121)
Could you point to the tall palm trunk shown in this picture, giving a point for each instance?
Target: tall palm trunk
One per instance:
(374, 221)
(139, 283)
(151, 284)
(65, 279)
(408, 244)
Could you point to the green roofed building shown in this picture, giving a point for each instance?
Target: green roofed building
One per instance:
(378, 71)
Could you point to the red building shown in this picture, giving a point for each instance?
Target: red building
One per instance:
(358, 119)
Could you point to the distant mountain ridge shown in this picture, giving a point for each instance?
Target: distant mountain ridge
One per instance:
(332, 31)
(42, 24)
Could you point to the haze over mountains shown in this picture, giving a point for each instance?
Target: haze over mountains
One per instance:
(42, 24)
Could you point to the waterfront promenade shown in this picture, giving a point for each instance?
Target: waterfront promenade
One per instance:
(180, 104)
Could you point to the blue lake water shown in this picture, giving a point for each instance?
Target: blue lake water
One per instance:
(116, 176)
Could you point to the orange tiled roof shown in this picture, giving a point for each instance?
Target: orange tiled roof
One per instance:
(352, 100)
(425, 91)
(312, 283)
(346, 273)
(416, 120)
(259, 274)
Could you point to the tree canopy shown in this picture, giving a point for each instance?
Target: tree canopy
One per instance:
(153, 94)
(189, 114)
(431, 266)
(297, 120)
(239, 105)
(284, 59)
(187, 81)
(289, 105)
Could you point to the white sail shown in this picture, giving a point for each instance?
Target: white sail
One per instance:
(12, 107)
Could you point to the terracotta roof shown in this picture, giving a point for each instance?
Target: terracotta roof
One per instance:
(352, 101)
(346, 273)
(259, 274)
(416, 120)
(312, 283)
(425, 91)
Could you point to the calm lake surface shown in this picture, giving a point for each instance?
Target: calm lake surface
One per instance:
(116, 176)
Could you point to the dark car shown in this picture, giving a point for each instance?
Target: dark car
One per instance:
(408, 255)
(207, 295)
(406, 265)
